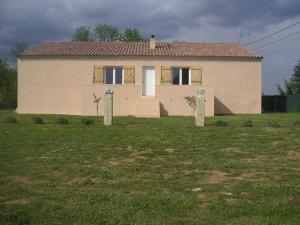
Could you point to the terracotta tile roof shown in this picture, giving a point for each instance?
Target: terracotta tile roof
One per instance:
(167, 49)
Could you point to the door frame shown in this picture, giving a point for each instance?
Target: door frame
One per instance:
(144, 68)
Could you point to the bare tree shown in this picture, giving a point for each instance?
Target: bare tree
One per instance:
(96, 100)
(191, 101)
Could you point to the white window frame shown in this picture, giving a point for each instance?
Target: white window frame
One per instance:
(114, 74)
(190, 76)
(180, 75)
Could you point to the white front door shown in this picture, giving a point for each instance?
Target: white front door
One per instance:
(148, 88)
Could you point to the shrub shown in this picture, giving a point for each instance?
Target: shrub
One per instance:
(61, 121)
(86, 121)
(248, 123)
(273, 124)
(221, 123)
(10, 120)
(297, 123)
(37, 120)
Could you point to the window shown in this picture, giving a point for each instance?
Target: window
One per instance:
(185, 76)
(113, 75)
(109, 75)
(180, 76)
(118, 76)
(175, 76)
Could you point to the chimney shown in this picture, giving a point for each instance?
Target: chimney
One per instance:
(152, 41)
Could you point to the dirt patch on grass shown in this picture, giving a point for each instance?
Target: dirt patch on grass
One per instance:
(95, 180)
(275, 143)
(232, 149)
(294, 154)
(192, 171)
(216, 177)
(204, 207)
(21, 201)
(132, 158)
(258, 159)
(77, 180)
(231, 201)
(245, 194)
(161, 158)
(252, 176)
(168, 174)
(83, 180)
(59, 174)
(118, 161)
(138, 154)
(287, 199)
(19, 179)
(185, 163)
(131, 149)
(46, 157)
(22, 180)
(262, 159)
(169, 150)
(28, 158)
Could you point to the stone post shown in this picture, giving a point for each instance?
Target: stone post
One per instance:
(108, 107)
(200, 110)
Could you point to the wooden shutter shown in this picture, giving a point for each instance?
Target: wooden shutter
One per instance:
(196, 76)
(129, 75)
(165, 75)
(98, 75)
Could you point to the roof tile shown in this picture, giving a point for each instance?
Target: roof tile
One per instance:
(168, 49)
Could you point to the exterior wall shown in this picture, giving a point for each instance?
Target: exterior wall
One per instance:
(237, 86)
(126, 97)
(64, 85)
(175, 104)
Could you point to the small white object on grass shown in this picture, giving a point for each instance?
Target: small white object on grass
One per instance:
(195, 189)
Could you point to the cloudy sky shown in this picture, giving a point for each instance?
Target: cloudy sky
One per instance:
(33, 21)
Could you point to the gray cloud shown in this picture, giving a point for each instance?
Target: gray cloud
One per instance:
(33, 21)
(252, 14)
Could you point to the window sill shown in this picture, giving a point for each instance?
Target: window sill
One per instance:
(118, 85)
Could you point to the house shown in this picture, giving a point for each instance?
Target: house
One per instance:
(148, 78)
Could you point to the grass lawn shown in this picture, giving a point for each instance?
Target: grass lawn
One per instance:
(150, 171)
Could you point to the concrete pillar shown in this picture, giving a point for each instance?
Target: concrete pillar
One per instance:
(200, 110)
(108, 107)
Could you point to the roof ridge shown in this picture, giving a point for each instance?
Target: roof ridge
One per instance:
(171, 42)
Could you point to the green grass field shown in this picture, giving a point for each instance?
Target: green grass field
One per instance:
(150, 171)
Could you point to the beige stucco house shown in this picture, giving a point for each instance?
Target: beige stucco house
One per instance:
(147, 78)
